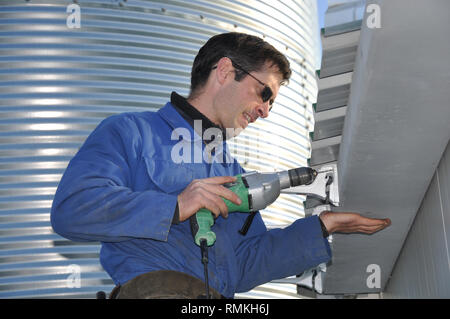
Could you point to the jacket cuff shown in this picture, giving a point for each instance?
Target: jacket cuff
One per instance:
(176, 216)
(322, 225)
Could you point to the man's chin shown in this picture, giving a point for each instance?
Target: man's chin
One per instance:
(233, 132)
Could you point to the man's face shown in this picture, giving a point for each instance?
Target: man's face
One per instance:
(240, 103)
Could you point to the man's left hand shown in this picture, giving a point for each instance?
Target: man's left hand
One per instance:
(346, 222)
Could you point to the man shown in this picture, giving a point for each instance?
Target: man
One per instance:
(125, 189)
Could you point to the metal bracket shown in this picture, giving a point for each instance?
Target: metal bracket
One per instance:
(311, 279)
(325, 185)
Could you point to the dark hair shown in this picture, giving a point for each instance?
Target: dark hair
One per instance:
(249, 51)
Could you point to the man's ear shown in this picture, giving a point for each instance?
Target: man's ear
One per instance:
(224, 70)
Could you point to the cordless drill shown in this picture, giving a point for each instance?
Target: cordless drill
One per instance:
(256, 191)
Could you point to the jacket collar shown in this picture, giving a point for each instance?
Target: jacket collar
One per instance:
(181, 128)
(178, 113)
(178, 123)
(190, 113)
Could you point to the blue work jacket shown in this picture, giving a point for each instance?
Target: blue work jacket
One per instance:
(121, 189)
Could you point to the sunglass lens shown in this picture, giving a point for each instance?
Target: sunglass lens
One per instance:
(266, 94)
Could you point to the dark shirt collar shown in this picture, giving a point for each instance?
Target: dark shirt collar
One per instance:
(190, 114)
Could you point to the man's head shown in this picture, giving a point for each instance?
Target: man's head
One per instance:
(239, 76)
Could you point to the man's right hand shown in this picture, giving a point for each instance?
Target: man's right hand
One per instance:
(206, 193)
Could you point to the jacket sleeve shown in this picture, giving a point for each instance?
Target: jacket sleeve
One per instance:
(280, 253)
(94, 200)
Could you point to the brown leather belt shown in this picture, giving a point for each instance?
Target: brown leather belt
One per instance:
(163, 284)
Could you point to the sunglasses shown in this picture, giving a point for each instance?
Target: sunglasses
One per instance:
(266, 93)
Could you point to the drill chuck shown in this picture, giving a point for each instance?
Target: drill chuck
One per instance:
(301, 176)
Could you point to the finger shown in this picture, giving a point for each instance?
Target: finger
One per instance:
(369, 229)
(222, 191)
(378, 222)
(210, 205)
(215, 204)
(363, 226)
(219, 179)
(209, 196)
(366, 221)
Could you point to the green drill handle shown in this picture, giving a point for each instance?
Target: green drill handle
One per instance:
(202, 221)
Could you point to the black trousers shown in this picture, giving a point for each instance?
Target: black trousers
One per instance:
(163, 284)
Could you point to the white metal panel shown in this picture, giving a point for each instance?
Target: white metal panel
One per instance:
(423, 266)
(391, 144)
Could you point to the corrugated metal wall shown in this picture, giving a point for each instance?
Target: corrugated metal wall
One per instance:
(423, 266)
(57, 83)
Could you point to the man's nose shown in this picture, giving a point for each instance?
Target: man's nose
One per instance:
(263, 109)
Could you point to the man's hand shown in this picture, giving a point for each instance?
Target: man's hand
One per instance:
(352, 223)
(206, 193)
